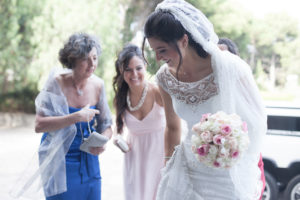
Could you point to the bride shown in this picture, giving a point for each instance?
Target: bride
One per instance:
(199, 78)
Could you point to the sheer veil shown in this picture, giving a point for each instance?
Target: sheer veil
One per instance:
(238, 93)
(46, 174)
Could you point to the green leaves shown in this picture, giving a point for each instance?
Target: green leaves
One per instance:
(32, 32)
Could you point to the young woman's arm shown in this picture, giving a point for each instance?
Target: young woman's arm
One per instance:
(108, 132)
(173, 128)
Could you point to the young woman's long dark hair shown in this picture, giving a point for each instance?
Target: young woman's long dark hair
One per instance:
(119, 84)
(162, 25)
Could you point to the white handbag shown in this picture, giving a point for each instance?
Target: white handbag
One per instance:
(122, 144)
(95, 139)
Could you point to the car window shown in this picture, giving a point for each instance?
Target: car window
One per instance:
(284, 121)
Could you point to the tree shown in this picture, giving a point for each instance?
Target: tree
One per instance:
(16, 52)
(272, 38)
(32, 32)
(60, 19)
(137, 12)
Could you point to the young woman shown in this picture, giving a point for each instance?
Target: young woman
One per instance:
(139, 106)
(199, 78)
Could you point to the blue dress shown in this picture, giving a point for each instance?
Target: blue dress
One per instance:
(82, 169)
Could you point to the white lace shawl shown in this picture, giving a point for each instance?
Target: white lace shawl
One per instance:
(238, 93)
(49, 172)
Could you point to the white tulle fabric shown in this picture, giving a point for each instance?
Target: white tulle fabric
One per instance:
(46, 173)
(232, 90)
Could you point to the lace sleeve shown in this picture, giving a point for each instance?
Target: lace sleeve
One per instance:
(161, 78)
(104, 118)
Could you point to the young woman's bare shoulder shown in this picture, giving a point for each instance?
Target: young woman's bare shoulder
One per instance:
(155, 90)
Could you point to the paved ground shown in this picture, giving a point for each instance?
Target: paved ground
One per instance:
(18, 146)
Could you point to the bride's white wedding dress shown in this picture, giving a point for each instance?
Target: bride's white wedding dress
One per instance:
(230, 88)
(184, 177)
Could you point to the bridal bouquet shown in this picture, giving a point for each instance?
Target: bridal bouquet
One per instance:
(219, 139)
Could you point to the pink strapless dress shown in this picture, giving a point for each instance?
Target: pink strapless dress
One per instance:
(145, 160)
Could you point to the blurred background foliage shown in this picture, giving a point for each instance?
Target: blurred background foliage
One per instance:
(32, 32)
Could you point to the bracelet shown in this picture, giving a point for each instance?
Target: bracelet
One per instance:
(168, 157)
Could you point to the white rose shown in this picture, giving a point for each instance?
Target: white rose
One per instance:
(223, 152)
(215, 127)
(196, 128)
(195, 140)
(206, 136)
(213, 150)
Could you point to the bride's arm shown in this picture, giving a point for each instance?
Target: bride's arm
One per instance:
(172, 132)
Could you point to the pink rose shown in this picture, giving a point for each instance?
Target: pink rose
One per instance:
(216, 164)
(218, 139)
(245, 127)
(206, 136)
(225, 129)
(203, 150)
(235, 154)
(205, 117)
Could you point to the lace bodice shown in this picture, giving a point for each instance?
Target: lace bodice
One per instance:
(191, 93)
(190, 99)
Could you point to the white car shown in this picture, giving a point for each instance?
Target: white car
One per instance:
(281, 153)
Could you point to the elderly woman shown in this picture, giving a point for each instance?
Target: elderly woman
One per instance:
(67, 108)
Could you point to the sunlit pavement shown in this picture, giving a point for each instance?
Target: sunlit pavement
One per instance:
(18, 146)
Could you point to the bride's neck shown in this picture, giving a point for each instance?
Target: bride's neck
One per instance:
(193, 64)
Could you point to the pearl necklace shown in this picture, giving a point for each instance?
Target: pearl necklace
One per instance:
(141, 101)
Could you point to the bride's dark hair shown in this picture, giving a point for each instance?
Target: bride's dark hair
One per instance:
(162, 25)
(119, 84)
